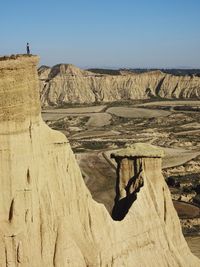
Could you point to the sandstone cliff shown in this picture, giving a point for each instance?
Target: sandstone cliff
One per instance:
(68, 84)
(47, 215)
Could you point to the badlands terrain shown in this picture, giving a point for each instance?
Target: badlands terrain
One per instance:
(49, 218)
(95, 131)
(65, 83)
(124, 108)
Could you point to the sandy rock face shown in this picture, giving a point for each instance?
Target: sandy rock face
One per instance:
(47, 215)
(68, 84)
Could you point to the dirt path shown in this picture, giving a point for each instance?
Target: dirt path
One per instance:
(171, 103)
(127, 112)
(94, 133)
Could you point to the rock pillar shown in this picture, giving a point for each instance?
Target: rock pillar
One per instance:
(131, 163)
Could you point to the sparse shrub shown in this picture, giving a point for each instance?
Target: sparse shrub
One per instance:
(171, 182)
(187, 189)
(197, 189)
(94, 145)
(196, 199)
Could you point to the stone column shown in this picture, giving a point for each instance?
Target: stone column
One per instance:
(131, 163)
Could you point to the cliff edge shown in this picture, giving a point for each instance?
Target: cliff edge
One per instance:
(47, 215)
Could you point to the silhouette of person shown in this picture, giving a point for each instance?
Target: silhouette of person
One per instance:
(27, 49)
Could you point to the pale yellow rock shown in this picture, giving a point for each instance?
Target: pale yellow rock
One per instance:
(139, 150)
(47, 215)
(66, 83)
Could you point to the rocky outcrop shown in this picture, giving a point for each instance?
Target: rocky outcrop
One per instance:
(48, 217)
(68, 84)
(131, 164)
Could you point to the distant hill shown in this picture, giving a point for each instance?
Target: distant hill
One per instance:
(106, 71)
(66, 83)
(176, 72)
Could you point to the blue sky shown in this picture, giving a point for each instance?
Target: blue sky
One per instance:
(100, 33)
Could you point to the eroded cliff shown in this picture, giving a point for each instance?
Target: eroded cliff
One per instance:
(47, 215)
(68, 84)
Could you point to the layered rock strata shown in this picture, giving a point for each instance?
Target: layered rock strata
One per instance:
(47, 215)
(63, 84)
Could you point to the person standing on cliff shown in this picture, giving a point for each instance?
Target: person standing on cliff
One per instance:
(27, 49)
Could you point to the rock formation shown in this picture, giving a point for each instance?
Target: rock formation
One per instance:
(68, 84)
(47, 215)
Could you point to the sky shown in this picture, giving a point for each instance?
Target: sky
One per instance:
(104, 33)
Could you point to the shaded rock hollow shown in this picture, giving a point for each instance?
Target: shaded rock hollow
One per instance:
(47, 215)
(65, 83)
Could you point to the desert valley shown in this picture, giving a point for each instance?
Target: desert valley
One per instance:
(100, 113)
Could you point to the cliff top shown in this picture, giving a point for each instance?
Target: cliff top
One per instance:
(17, 60)
(17, 56)
(139, 150)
